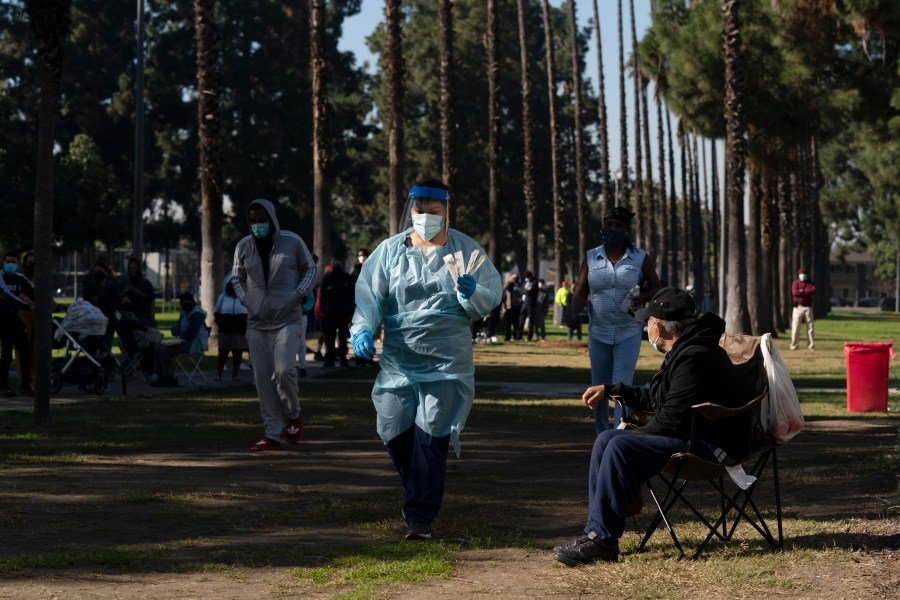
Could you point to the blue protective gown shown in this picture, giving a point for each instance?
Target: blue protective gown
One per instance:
(427, 339)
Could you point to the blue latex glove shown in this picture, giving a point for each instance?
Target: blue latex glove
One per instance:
(466, 285)
(364, 345)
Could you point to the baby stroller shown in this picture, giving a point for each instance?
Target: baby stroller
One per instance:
(87, 361)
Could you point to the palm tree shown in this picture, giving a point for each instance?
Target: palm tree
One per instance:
(736, 317)
(559, 245)
(321, 201)
(206, 40)
(673, 246)
(623, 116)
(445, 12)
(663, 240)
(493, 67)
(50, 22)
(580, 202)
(698, 241)
(528, 161)
(394, 56)
(601, 124)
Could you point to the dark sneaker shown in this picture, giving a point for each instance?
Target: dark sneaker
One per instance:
(294, 431)
(418, 533)
(587, 549)
(345, 363)
(318, 356)
(265, 444)
(579, 540)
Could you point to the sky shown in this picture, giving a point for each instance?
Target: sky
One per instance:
(359, 27)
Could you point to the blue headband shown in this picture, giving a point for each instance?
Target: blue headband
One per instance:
(428, 192)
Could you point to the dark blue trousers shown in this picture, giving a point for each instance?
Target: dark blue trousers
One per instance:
(421, 460)
(622, 460)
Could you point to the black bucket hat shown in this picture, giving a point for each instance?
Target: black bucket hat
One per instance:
(619, 213)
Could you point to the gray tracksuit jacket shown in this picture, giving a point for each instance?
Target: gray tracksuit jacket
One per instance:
(291, 275)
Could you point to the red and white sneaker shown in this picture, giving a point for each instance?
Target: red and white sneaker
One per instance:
(293, 432)
(265, 444)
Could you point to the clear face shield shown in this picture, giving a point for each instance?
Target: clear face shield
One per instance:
(426, 211)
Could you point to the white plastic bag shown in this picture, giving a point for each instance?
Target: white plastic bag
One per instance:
(781, 416)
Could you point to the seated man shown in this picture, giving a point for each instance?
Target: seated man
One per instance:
(695, 369)
(136, 334)
(192, 338)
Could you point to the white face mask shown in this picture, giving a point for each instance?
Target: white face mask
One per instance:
(653, 342)
(803, 277)
(427, 226)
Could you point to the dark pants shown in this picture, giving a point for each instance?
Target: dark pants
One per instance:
(528, 314)
(513, 331)
(336, 327)
(165, 358)
(621, 461)
(14, 335)
(421, 460)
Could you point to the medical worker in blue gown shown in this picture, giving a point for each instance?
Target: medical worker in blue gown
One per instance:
(425, 285)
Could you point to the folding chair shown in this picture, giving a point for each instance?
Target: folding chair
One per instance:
(733, 486)
(193, 367)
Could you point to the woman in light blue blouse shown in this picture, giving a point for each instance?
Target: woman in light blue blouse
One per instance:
(614, 276)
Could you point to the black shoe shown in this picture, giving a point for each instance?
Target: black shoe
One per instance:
(587, 549)
(301, 372)
(9, 393)
(318, 356)
(345, 363)
(26, 390)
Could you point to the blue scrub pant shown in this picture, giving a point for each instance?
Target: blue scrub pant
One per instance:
(612, 363)
(621, 461)
(421, 460)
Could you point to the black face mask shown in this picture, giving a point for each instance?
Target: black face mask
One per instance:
(99, 276)
(187, 307)
(126, 308)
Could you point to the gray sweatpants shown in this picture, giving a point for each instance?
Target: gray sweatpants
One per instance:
(272, 354)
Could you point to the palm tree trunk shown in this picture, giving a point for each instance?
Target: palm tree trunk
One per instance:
(493, 64)
(754, 250)
(641, 226)
(580, 201)
(601, 123)
(394, 57)
(559, 244)
(767, 220)
(672, 249)
(651, 237)
(736, 318)
(821, 246)
(697, 234)
(661, 250)
(50, 21)
(445, 11)
(684, 254)
(623, 118)
(527, 132)
(321, 200)
(206, 40)
(716, 227)
(782, 287)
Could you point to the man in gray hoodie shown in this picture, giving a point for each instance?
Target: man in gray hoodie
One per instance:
(272, 272)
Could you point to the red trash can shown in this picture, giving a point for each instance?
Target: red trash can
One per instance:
(867, 375)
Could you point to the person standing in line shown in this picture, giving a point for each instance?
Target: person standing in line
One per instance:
(425, 388)
(337, 291)
(529, 304)
(17, 296)
(802, 290)
(541, 307)
(231, 320)
(101, 290)
(562, 299)
(273, 271)
(614, 275)
(710, 304)
(512, 307)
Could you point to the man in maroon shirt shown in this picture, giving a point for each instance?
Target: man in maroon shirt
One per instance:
(803, 291)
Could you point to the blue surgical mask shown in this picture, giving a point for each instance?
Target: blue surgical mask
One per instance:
(653, 342)
(10, 267)
(427, 226)
(803, 277)
(259, 230)
(614, 238)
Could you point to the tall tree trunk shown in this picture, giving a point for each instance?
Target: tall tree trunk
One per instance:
(754, 250)
(448, 125)
(527, 132)
(767, 221)
(821, 245)
(736, 318)
(663, 240)
(533, 259)
(782, 287)
(651, 235)
(50, 21)
(672, 249)
(697, 239)
(718, 227)
(395, 71)
(623, 119)
(206, 40)
(641, 226)
(321, 200)
(685, 253)
(580, 201)
(713, 219)
(601, 123)
(493, 65)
